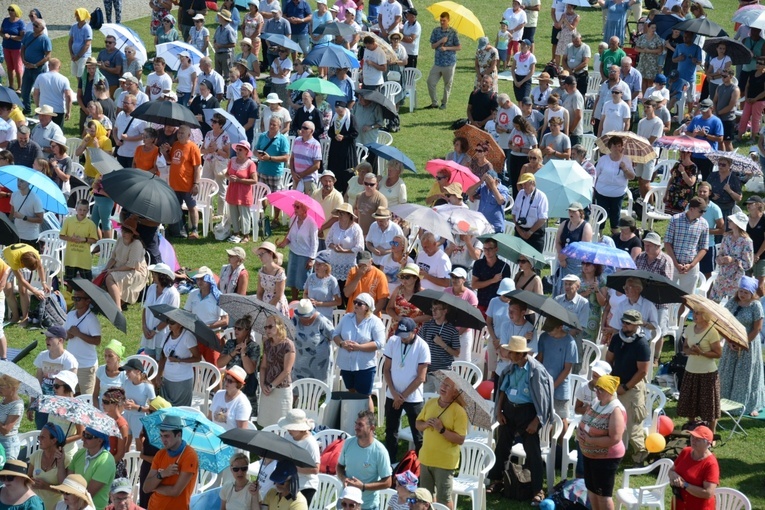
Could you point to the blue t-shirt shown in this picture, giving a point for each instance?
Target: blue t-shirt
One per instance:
(36, 47)
(12, 28)
(676, 87)
(346, 86)
(115, 59)
(557, 352)
(300, 10)
(368, 465)
(244, 110)
(280, 147)
(711, 126)
(712, 214)
(79, 37)
(492, 211)
(318, 20)
(687, 68)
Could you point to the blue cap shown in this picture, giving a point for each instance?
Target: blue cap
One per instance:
(526, 42)
(660, 78)
(405, 326)
(283, 471)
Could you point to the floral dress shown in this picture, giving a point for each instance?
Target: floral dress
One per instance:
(741, 371)
(268, 282)
(157, 16)
(678, 192)
(648, 65)
(729, 275)
(596, 311)
(566, 35)
(484, 58)
(404, 308)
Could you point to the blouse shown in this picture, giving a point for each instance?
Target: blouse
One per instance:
(275, 354)
(370, 329)
(611, 181)
(304, 238)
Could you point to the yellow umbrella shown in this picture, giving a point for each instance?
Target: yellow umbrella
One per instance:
(462, 19)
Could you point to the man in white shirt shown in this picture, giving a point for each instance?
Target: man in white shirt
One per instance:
(410, 40)
(615, 115)
(435, 265)
(389, 18)
(604, 94)
(127, 132)
(83, 332)
(52, 88)
(46, 130)
(206, 72)
(375, 65)
(27, 213)
(632, 300)
(381, 234)
(159, 81)
(530, 212)
(650, 127)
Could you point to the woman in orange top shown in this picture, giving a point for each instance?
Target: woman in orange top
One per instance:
(145, 156)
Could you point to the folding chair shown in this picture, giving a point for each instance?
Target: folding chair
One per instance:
(728, 407)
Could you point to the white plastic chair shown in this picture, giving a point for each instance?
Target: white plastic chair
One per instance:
(379, 387)
(590, 354)
(287, 180)
(150, 366)
(309, 394)
(77, 170)
(480, 435)
(51, 267)
(588, 142)
(476, 459)
(361, 152)
(133, 468)
(630, 202)
(327, 494)
(72, 144)
(439, 506)
(207, 190)
(598, 217)
(276, 429)
(337, 314)
(587, 122)
(549, 251)
(574, 382)
(649, 495)
(205, 480)
(53, 245)
(82, 193)
(105, 248)
(548, 437)
(206, 377)
(30, 441)
(655, 402)
(325, 150)
(703, 284)
(657, 213)
(385, 496)
(384, 138)
(593, 84)
(478, 349)
(469, 372)
(731, 499)
(664, 169)
(391, 89)
(328, 436)
(259, 193)
(386, 320)
(411, 76)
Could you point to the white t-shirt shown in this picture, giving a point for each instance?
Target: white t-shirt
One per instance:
(718, 64)
(613, 115)
(156, 85)
(28, 205)
(205, 308)
(312, 447)
(88, 324)
(389, 11)
(180, 348)
(664, 92)
(284, 65)
(412, 48)
(184, 77)
(50, 367)
(380, 239)
(513, 20)
(373, 76)
(650, 127)
(524, 68)
(437, 265)
(106, 382)
(226, 414)
(405, 361)
(505, 118)
(131, 127)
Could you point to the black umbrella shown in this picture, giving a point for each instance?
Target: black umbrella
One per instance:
(462, 314)
(389, 109)
(144, 194)
(335, 28)
(237, 306)
(8, 233)
(103, 301)
(8, 95)
(190, 322)
(738, 53)
(268, 445)
(656, 288)
(545, 306)
(664, 24)
(701, 26)
(167, 113)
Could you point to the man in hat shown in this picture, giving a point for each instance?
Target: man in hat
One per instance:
(96, 465)
(185, 173)
(629, 354)
(80, 233)
(650, 127)
(482, 103)
(380, 236)
(654, 260)
(405, 369)
(224, 42)
(277, 25)
(368, 202)
(83, 332)
(122, 495)
(306, 159)
(524, 403)
(492, 196)
(435, 265)
(366, 278)
(50, 362)
(364, 463)
(686, 242)
(706, 126)
(110, 62)
(446, 44)
(35, 51)
(725, 100)
(245, 110)
(159, 81)
(330, 199)
(45, 129)
(411, 32)
(173, 475)
(52, 88)
(530, 212)
(130, 85)
(203, 302)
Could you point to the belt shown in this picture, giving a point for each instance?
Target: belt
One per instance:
(514, 405)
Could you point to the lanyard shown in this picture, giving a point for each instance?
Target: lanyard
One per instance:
(528, 207)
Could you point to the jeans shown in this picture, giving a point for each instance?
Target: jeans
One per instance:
(184, 98)
(304, 40)
(102, 212)
(27, 81)
(613, 207)
(392, 421)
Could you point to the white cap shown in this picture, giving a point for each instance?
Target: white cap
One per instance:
(601, 367)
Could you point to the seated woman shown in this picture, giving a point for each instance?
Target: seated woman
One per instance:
(682, 184)
(230, 408)
(126, 271)
(437, 193)
(234, 277)
(11, 411)
(109, 375)
(459, 155)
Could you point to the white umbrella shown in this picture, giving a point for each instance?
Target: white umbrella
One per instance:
(125, 37)
(424, 217)
(464, 221)
(170, 51)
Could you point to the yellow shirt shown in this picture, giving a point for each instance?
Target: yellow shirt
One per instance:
(12, 255)
(436, 451)
(78, 254)
(274, 502)
(17, 115)
(701, 364)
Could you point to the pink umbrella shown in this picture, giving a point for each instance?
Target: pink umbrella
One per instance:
(285, 201)
(684, 143)
(460, 174)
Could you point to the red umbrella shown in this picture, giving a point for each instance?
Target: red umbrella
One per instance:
(460, 174)
(285, 201)
(683, 143)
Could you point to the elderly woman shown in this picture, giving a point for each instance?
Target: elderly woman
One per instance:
(593, 287)
(726, 186)
(230, 407)
(275, 372)
(235, 493)
(303, 240)
(574, 229)
(344, 240)
(359, 335)
(271, 277)
(17, 493)
(204, 302)
(399, 304)
(696, 473)
(613, 173)
(11, 411)
(176, 373)
(600, 441)
(161, 291)
(47, 465)
(393, 186)
(167, 32)
(132, 63)
(700, 389)
(579, 154)
(342, 148)
(234, 277)
(215, 155)
(109, 374)
(313, 334)
(394, 261)
(242, 173)
(741, 370)
(146, 154)
(321, 287)
(734, 258)
(682, 184)
(126, 271)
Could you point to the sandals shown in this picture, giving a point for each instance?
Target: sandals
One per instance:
(495, 488)
(537, 500)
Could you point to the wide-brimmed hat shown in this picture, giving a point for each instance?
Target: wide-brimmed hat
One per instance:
(454, 188)
(237, 251)
(91, 61)
(382, 213)
(273, 98)
(58, 138)
(242, 62)
(171, 423)
(76, 486)
(238, 374)
(346, 208)
(15, 467)
(69, 378)
(323, 257)
(296, 420)
(411, 269)
(516, 344)
(268, 246)
(162, 268)
(247, 41)
(46, 110)
(740, 220)
(304, 308)
(132, 364)
(543, 76)
(225, 14)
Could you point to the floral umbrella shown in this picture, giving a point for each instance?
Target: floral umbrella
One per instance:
(683, 143)
(78, 412)
(475, 136)
(637, 148)
(596, 253)
(739, 164)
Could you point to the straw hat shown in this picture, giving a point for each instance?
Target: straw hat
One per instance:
(225, 14)
(344, 207)
(517, 344)
(46, 110)
(75, 485)
(411, 269)
(238, 374)
(296, 419)
(15, 467)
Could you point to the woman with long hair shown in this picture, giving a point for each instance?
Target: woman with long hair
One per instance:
(321, 286)
(113, 403)
(244, 352)
(460, 153)
(527, 278)
(275, 372)
(734, 258)
(399, 304)
(523, 140)
(480, 164)
(593, 288)
(60, 163)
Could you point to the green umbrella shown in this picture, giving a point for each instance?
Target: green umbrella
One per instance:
(318, 86)
(564, 182)
(512, 248)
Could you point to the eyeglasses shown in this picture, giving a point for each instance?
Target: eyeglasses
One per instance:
(199, 21)
(489, 248)
(370, 184)
(109, 42)
(533, 158)
(86, 435)
(239, 469)
(359, 303)
(406, 277)
(305, 127)
(413, 501)
(615, 92)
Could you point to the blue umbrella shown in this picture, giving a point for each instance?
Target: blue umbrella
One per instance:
(387, 153)
(233, 128)
(8, 95)
(331, 55)
(41, 185)
(198, 432)
(564, 182)
(596, 253)
(170, 51)
(126, 36)
(282, 40)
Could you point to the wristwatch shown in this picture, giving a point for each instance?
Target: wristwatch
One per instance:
(625, 387)
(443, 429)
(159, 475)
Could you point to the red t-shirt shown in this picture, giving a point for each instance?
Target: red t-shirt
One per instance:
(5, 202)
(696, 473)
(238, 193)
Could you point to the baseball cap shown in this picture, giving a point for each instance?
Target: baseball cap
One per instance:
(364, 257)
(129, 77)
(653, 238)
(576, 206)
(459, 273)
(702, 432)
(122, 485)
(601, 367)
(527, 177)
(527, 100)
(660, 78)
(705, 105)
(656, 97)
(55, 332)
(405, 326)
(570, 80)
(237, 251)
(202, 272)
(754, 199)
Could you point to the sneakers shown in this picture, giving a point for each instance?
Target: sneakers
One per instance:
(234, 239)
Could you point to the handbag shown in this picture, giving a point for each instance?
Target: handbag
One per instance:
(100, 280)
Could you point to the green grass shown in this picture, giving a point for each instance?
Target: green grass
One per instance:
(425, 135)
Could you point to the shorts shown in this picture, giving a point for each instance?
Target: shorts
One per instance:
(645, 170)
(758, 271)
(359, 380)
(600, 474)
(529, 33)
(438, 481)
(555, 34)
(274, 182)
(502, 55)
(729, 127)
(187, 197)
(561, 407)
(690, 94)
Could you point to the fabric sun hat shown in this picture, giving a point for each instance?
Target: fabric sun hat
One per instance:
(273, 98)
(322, 257)
(162, 268)
(505, 286)
(268, 246)
(705, 105)
(344, 207)
(408, 479)
(352, 494)
(116, 347)
(516, 344)
(225, 14)
(285, 469)
(423, 494)
(132, 364)
(571, 278)
(454, 188)
(304, 308)
(237, 373)
(296, 419)
(410, 269)
(76, 486)
(68, 377)
(740, 219)
(632, 317)
(601, 367)
(243, 145)
(171, 423)
(608, 383)
(237, 251)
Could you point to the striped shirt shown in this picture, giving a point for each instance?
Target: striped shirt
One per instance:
(687, 237)
(305, 155)
(439, 358)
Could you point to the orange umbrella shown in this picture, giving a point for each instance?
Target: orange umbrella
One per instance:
(475, 136)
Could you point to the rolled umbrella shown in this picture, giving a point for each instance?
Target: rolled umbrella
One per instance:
(479, 410)
(335, 28)
(389, 109)
(281, 40)
(8, 95)
(190, 322)
(232, 127)
(390, 53)
(172, 50)
(331, 55)
(564, 182)
(461, 18)
(656, 288)
(545, 306)
(77, 412)
(683, 143)
(388, 152)
(701, 26)
(512, 248)
(596, 253)
(465, 221)
(28, 384)
(126, 36)
(47, 191)
(424, 217)
(637, 148)
(459, 173)
(738, 53)
(476, 135)
(104, 302)
(269, 445)
(285, 201)
(461, 312)
(167, 113)
(237, 306)
(144, 194)
(720, 317)
(103, 161)
(739, 164)
(316, 85)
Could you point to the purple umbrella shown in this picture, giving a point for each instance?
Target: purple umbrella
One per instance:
(596, 253)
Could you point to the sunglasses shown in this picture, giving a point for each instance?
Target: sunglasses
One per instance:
(359, 303)
(395, 243)
(239, 469)
(533, 158)
(85, 435)
(370, 184)
(441, 177)
(406, 277)
(304, 127)
(616, 92)
(239, 328)
(109, 42)
(7, 478)
(58, 386)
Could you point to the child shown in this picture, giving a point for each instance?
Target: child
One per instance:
(114, 405)
(79, 232)
(502, 42)
(406, 485)
(557, 352)
(138, 393)
(234, 90)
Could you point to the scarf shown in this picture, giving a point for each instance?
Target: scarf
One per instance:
(627, 339)
(342, 122)
(214, 290)
(523, 57)
(229, 278)
(177, 451)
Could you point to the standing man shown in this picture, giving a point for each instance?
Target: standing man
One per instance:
(530, 212)
(246, 111)
(224, 41)
(128, 131)
(650, 127)
(83, 332)
(35, 52)
(52, 88)
(574, 103)
(488, 272)
(185, 172)
(375, 65)
(369, 202)
(298, 13)
(634, 81)
(364, 462)
(446, 44)
(604, 94)
(687, 56)
(405, 369)
(173, 475)
(576, 60)
(629, 354)
(725, 102)
(158, 82)
(187, 9)
(80, 39)
(306, 159)
(653, 260)
(410, 37)
(330, 199)
(110, 62)
(686, 243)
(389, 18)
(579, 306)
(612, 56)
(208, 73)
(532, 8)
(273, 151)
(276, 25)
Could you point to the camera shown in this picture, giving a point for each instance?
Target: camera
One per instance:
(172, 354)
(521, 221)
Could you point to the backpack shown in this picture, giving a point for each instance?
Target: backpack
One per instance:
(50, 311)
(517, 482)
(410, 462)
(330, 456)
(96, 18)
